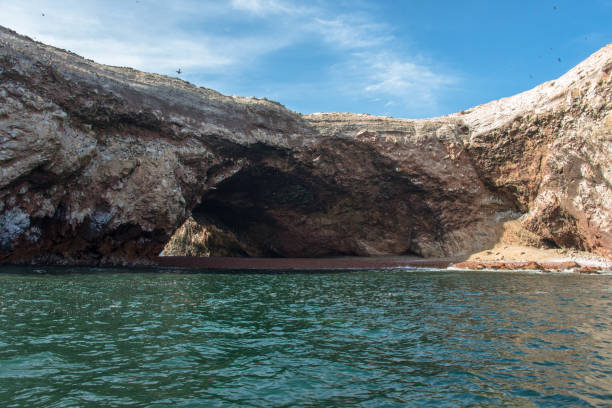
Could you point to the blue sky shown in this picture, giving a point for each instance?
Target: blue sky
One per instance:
(400, 58)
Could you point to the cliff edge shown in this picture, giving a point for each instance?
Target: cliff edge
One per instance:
(101, 165)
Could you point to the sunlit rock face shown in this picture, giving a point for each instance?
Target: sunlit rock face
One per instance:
(101, 165)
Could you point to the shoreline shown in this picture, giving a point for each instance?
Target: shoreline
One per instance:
(499, 258)
(356, 263)
(228, 263)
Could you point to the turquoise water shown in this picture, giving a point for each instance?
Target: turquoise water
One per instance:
(371, 339)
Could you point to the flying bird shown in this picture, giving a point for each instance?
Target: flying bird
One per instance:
(559, 59)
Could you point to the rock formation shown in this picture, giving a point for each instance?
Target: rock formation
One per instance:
(101, 165)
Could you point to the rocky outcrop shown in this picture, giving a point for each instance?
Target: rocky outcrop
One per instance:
(101, 165)
(545, 267)
(203, 239)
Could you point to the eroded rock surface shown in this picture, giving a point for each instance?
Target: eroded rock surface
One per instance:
(100, 165)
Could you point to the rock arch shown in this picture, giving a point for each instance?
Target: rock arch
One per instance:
(100, 165)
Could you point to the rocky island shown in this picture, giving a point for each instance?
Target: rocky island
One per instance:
(101, 165)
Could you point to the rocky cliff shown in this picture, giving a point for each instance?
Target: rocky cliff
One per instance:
(101, 165)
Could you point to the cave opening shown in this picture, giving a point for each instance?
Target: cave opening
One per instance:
(330, 201)
(250, 215)
(265, 210)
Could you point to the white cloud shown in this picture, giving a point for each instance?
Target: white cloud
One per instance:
(394, 82)
(372, 68)
(263, 7)
(229, 39)
(348, 32)
(143, 37)
(146, 54)
(391, 75)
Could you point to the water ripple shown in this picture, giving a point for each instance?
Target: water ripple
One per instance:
(371, 339)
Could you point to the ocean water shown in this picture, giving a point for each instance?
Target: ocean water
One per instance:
(377, 338)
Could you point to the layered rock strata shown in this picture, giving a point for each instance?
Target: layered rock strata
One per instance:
(101, 165)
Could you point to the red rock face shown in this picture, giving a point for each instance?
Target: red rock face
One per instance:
(100, 165)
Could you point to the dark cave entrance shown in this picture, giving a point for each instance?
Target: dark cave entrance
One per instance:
(266, 210)
(344, 199)
(253, 214)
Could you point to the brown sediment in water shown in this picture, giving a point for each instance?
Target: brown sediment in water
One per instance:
(300, 263)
